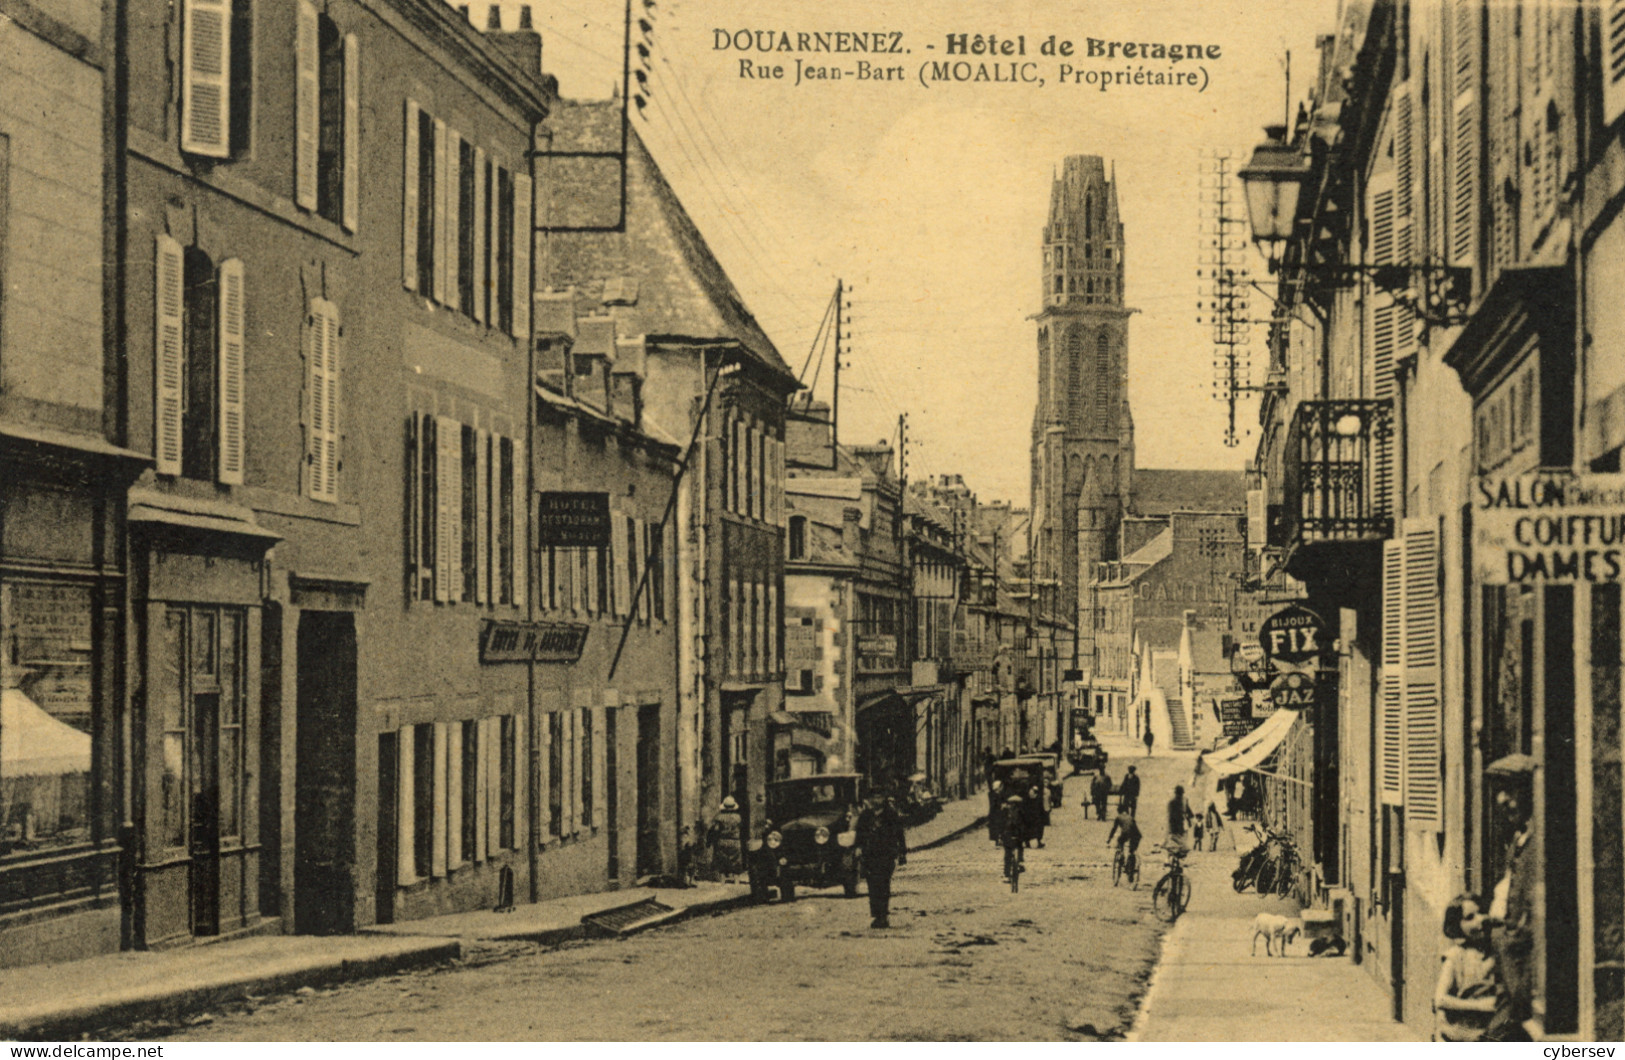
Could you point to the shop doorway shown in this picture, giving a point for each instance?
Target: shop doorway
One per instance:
(324, 794)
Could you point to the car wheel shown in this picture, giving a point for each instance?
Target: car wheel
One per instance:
(758, 889)
(787, 892)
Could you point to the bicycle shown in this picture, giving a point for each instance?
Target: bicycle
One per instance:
(1125, 863)
(1014, 866)
(1172, 895)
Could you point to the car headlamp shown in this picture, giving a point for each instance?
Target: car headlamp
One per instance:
(774, 839)
(821, 836)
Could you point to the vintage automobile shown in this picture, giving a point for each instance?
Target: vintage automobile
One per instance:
(809, 837)
(1087, 756)
(1024, 777)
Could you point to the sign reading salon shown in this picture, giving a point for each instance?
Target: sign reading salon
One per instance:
(1550, 528)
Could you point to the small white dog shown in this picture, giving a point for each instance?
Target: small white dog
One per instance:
(1275, 930)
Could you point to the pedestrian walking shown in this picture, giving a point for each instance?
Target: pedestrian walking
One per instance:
(1100, 792)
(884, 846)
(727, 851)
(1128, 793)
(1179, 818)
(1150, 738)
(1215, 824)
(1512, 909)
(1464, 997)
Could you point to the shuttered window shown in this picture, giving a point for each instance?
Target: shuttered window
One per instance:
(233, 337)
(206, 40)
(600, 734)
(520, 276)
(322, 356)
(170, 267)
(1390, 705)
(1613, 54)
(452, 289)
(411, 180)
(307, 103)
(1461, 220)
(1423, 747)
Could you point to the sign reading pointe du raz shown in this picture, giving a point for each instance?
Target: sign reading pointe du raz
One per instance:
(1549, 527)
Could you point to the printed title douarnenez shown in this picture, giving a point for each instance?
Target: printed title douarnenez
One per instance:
(891, 42)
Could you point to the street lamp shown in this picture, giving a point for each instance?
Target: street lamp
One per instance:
(1273, 181)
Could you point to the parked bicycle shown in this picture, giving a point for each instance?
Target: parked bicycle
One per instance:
(1280, 867)
(1172, 895)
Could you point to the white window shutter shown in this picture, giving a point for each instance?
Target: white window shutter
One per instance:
(442, 196)
(617, 567)
(352, 132)
(491, 748)
(453, 171)
(523, 235)
(480, 252)
(572, 751)
(1390, 705)
(206, 78)
(335, 351)
(521, 781)
(1462, 189)
(643, 570)
(1613, 54)
(483, 512)
(518, 532)
(437, 816)
(316, 400)
(233, 337)
(1423, 744)
(544, 776)
(307, 118)
(405, 806)
(599, 795)
(447, 431)
(772, 628)
(454, 514)
(455, 854)
(409, 199)
(170, 353)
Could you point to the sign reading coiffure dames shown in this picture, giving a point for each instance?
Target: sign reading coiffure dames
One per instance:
(1549, 527)
(572, 520)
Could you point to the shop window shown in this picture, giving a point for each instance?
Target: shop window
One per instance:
(48, 716)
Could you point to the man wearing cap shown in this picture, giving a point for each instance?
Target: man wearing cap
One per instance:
(885, 846)
(1512, 907)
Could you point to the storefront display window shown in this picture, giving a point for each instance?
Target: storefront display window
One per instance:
(46, 711)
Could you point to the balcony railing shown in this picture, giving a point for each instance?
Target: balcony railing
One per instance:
(1338, 473)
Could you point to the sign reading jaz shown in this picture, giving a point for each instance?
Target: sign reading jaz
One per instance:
(1293, 635)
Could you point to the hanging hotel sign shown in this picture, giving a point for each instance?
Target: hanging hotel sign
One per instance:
(502, 641)
(1549, 527)
(572, 520)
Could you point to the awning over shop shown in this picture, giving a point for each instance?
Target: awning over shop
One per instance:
(1251, 749)
(34, 744)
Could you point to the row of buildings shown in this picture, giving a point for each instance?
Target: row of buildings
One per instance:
(401, 507)
(1439, 468)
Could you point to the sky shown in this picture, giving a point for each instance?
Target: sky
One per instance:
(928, 201)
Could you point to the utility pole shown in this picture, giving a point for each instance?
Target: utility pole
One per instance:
(835, 401)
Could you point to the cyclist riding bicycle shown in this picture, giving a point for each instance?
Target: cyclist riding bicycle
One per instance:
(1127, 831)
(1013, 836)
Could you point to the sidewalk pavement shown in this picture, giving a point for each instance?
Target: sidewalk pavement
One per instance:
(59, 1001)
(1208, 987)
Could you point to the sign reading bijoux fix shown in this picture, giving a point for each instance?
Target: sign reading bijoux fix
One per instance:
(1549, 527)
(1293, 635)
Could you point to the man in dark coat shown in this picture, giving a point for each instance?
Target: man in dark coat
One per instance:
(884, 847)
(1128, 793)
(1100, 792)
(1512, 907)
